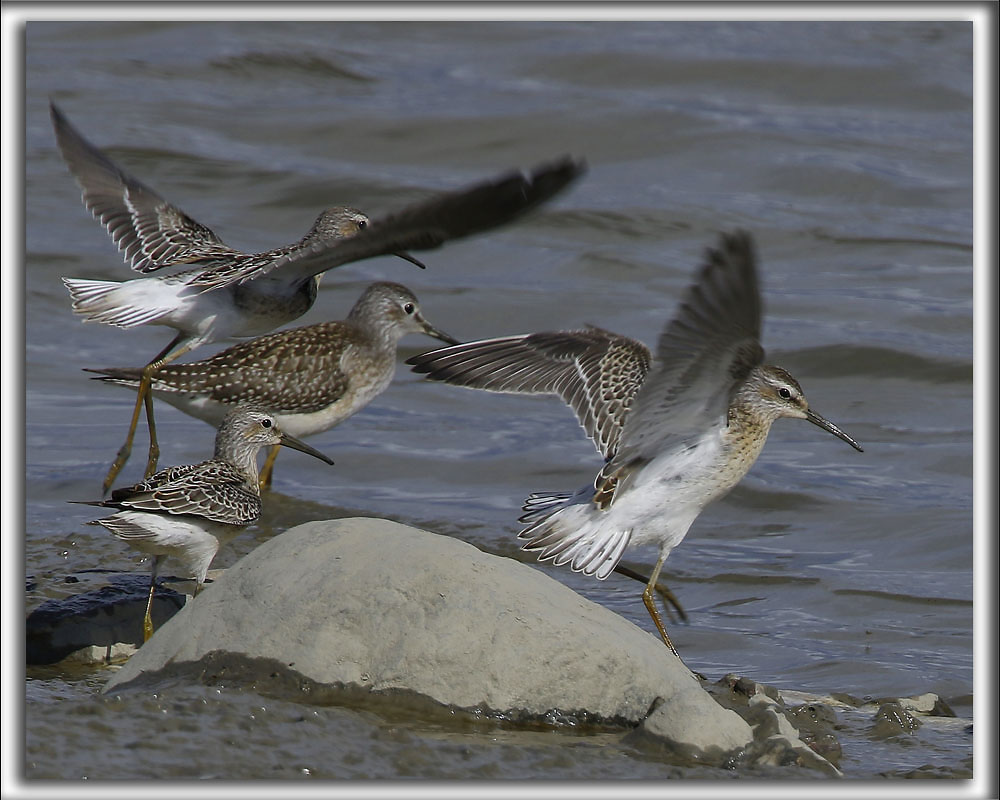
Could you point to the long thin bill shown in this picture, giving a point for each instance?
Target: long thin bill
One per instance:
(302, 447)
(412, 259)
(828, 426)
(430, 330)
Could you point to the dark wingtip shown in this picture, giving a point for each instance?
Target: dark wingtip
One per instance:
(570, 165)
(60, 123)
(422, 368)
(56, 114)
(421, 363)
(551, 177)
(578, 166)
(738, 242)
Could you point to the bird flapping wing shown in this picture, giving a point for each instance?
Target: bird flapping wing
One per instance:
(703, 355)
(149, 231)
(423, 225)
(596, 372)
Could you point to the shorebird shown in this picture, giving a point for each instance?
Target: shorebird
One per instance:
(677, 431)
(310, 378)
(227, 293)
(189, 511)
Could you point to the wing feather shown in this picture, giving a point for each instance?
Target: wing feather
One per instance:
(149, 232)
(703, 354)
(595, 372)
(213, 490)
(421, 226)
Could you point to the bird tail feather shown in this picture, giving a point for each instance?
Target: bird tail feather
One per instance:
(109, 302)
(577, 539)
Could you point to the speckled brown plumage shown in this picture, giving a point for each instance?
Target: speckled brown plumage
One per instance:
(213, 490)
(311, 378)
(259, 370)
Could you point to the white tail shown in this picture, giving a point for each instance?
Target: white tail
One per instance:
(567, 533)
(540, 505)
(110, 302)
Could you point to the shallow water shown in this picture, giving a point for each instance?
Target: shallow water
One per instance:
(846, 149)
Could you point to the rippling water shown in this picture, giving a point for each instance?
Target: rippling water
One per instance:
(846, 148)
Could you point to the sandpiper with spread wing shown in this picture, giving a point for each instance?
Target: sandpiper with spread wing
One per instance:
(677, 431)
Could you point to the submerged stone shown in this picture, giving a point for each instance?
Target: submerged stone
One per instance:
(892, 720)
(92, 626)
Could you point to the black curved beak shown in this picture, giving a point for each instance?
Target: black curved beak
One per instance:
(828, 426)
(302, 447)
(413, 260)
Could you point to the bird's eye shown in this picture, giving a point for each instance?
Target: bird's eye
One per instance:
(362, 223)
(784, 393)
(266, 422)
(409, 308)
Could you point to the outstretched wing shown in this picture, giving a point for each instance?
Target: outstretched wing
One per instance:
(704, 353)
(150, 232)
(596, 372)
(421, 226)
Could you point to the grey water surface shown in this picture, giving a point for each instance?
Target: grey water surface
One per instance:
(846, 148)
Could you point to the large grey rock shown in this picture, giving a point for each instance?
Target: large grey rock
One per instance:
(375, 604)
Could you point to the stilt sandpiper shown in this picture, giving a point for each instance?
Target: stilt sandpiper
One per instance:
(188, 511)
(677, 431)
(310, 378)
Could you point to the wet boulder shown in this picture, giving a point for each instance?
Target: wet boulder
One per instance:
(373, 606)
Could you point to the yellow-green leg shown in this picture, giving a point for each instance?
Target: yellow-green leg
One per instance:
(268, 470)
(126, 449)
(147, 621)
(647, 598)
(144, 398)
(154, 445)
(661, 588)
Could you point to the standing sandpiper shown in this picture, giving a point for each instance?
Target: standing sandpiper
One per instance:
(677, 431)
(309, 378)
(189, 511)
(229, 293)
